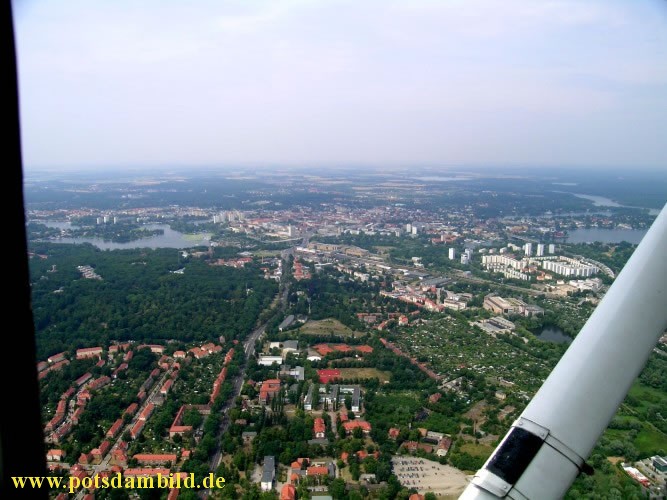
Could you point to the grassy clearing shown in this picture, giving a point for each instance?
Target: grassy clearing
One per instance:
(328, 326)
(650, 441)
(647, 395)
(348, 373)
(477, 450)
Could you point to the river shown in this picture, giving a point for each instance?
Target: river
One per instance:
(169, 239)
(601, 201)
(553, 334)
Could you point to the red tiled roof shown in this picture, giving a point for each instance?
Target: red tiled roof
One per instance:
(319, 426)
(137, 428)
(147, 411)
(167, 385)
(83, 378)
(86, 351)
(288, 492)
(353, 424)
(317, 471)
(132, 409)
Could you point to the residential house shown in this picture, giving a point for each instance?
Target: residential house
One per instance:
(270, 388)
(319, 428)
(89, 352)
(268, 473)
(351, 425)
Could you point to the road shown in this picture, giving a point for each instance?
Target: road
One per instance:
(237, 383)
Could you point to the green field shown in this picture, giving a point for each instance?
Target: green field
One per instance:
(328, 326)
(349, 373)
(647, 396)
(651, 441)
(477, 450)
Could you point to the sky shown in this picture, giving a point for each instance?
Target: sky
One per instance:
(343, 82)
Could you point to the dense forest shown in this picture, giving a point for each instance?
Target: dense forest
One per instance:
(139, 297)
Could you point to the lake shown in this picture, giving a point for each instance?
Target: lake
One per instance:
(170, 238)
(553, 334)
(601, 201)
(438, 178)
(605, 235)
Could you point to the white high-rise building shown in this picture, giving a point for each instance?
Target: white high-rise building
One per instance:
(115, 220)
(552, 248)
(465, 258)
(452, 253)
(528, 249)
(415, 230)
(570, 267)
(408, 228)
(540, 250)
(106, 219)
(99, 220)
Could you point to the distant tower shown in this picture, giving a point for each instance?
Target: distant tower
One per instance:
(465, 258)
(290, 230)
(552, 248)
(106, 219)
(115, 220)
(540, 250)
(528, 249)
(415, 230)
(216, 219)
(452, 254)
(99, 220)
(408, 228)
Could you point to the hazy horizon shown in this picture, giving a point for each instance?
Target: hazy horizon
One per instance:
(293, 84)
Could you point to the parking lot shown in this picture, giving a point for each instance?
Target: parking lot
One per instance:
(429, 476)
